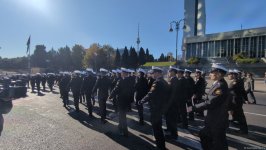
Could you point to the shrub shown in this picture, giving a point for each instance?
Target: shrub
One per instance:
(193, 60)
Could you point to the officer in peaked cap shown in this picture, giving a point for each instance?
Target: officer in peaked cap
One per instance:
(199, 89)
(141, 89)
(87, 86)
(181, 101)
(102, 85)
(122, 94)
(190, 86)
(75, 86)
(157, 96)
(213, 135)
(172, 104)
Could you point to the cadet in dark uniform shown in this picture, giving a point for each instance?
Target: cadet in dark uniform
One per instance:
(181, 98)
(199, 90)
(171, 106)
(122, 92)
(157, 96)
(141, 89)
(242, 85)
(102, 85)
(43, 81)
(75, 86)
(190, 84)
(150, 79)
(114, 82)
(87, 85)
(236, 105)
(32, 82)
(131, 84)
(50, 81)
(64, 88)
(213, 135)
(38, 82)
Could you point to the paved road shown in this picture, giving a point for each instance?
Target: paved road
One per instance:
(40, 122)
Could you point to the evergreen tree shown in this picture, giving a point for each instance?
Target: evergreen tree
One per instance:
(147, 55)
(125, 58)
(133, 58)
(161, 58)
(142, 56)
(117, 58)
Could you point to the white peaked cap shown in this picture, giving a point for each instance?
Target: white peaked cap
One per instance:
(186, 70)
(77, 71)
(118, 71)
(125, 70)
(38, 73)
(219, 66)
(197, 70)
(103, 70)
(156, 68)
(236, 71)
(173, 68)
(231, 71)
(141, 70)
(131, 71)
(114, 71)
(89, 70)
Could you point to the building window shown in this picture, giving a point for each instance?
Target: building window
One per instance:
(211, 49)
(217, 48)
(245, 45)
(237, 46)
(261, 46)
(253, 47)
(205, 49)
(230, 48)
(223, 48)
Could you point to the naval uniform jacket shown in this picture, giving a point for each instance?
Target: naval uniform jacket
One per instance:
(217, 106)
(157, 96)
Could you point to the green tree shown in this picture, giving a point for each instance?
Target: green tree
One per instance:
(117, 58)
(77, 55)
(162, 57)
(133, 58)
(65, 62)
(38, 59)
(142, 56)
(125, 58)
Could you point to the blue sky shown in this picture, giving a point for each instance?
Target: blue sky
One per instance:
(57, 23)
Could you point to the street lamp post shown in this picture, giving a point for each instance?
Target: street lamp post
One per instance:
(177, 23)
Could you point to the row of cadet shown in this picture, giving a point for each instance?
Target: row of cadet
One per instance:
(170, 98)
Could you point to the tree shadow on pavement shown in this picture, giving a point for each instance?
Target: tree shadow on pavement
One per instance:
(110, 130)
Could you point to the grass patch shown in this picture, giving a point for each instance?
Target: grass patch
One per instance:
(161, 64)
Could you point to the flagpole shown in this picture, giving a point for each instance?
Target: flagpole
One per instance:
(29, 60)
(28, 51)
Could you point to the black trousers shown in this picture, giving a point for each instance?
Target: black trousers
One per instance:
(76, 100)
(156, 121)
(213, 138)
(89, 102)
(182, 114)
(140, 112)
(122, 126)
(1, 123)
(190, 114)
(238, 115)
(64, 94)
(102, 105)
(171, 120)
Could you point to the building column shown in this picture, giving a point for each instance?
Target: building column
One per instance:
(257, 46)
(234, 44)
(249, 43)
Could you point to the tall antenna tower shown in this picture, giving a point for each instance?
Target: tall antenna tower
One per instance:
(138, 39)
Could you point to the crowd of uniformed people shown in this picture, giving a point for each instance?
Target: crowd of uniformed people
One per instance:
(174, 95)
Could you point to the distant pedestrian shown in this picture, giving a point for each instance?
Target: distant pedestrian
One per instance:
(249, 87)
(265, 77)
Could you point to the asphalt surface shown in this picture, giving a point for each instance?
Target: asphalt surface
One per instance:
(40, 122)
